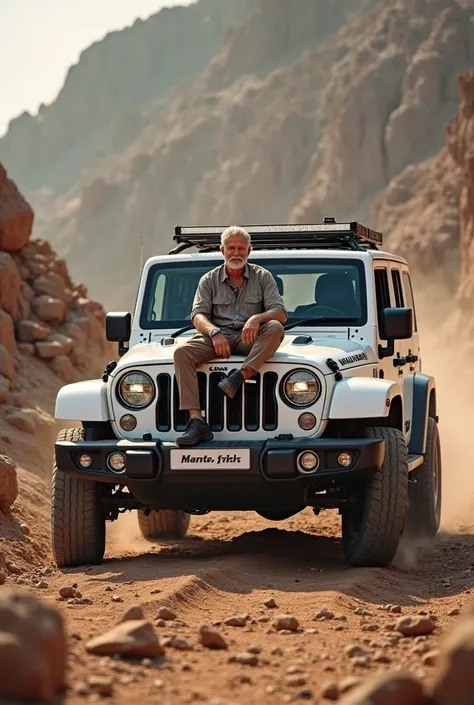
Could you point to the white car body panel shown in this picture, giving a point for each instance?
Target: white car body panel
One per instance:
(85, 401)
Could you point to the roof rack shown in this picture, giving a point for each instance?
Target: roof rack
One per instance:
(325, 235)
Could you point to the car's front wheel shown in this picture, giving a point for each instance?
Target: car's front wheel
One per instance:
(163, 523)
(77, 514)
(372, 526)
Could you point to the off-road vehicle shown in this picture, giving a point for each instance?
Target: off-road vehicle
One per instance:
(341, 417)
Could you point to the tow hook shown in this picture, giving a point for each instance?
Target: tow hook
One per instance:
(334, 367)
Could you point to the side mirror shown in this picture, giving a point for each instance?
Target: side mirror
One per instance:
(118, 328)
(397, 324)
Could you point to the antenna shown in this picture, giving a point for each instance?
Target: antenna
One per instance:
(141, 254)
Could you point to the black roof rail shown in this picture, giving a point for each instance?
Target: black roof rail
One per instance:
(325, 235)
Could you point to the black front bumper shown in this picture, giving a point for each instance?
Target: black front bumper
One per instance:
(272, 481)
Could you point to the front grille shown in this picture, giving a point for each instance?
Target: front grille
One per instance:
(254, 407)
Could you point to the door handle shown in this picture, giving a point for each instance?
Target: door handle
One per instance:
(412, 358)
(399, 361)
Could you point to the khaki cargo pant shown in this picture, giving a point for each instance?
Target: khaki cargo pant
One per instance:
(200, 349)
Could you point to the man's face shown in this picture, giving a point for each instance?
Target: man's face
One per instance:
(236, 252)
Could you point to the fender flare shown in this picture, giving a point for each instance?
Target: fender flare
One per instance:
(424, 406)
(84, 401)
(363, 398)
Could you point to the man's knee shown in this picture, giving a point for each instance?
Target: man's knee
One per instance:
(183, 355)
(274, 328)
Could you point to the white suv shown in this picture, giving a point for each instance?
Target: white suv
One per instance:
(341, 417)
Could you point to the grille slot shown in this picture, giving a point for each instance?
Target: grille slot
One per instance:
(270, 406)
(163, 410)
(254, 406)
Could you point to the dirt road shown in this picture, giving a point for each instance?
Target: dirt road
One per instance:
(230, 565)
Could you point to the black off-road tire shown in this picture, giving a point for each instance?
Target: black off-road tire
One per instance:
(424, 493)
(163, 523)
(77, 517)
(371, 531)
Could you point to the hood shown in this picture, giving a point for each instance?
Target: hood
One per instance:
(294, 348)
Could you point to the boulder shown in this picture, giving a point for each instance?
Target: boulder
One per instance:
(26, 349)
(33, 647)
(53, 285)
(23, 421)
(47, 349)
(4, 389)
(8, 485)
(66, 343)
(64, 368)
(7, 332)
(49, 309)
(16, 215)
(387, 689)
(31, 331)
(10, 283)
(7, 368)
(455, 672)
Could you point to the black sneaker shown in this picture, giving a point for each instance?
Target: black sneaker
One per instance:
(230, 385)
(197, 431)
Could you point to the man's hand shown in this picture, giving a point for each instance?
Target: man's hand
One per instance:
(221, 345)
(250, 330)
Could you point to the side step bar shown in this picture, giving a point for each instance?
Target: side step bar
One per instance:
(414, 460)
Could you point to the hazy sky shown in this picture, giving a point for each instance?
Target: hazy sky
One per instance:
(40, 39)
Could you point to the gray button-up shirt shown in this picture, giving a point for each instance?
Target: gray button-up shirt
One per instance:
(229, 307)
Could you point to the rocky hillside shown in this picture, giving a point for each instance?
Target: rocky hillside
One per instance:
(50, 331)
(98, 110)
(272, 133)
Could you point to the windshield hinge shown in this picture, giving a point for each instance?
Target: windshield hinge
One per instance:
(334, 367)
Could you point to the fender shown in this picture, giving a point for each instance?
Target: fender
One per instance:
(424, 405)
(363, 398)
(86, 401)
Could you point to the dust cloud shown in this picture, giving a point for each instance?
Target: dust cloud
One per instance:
(443, 353)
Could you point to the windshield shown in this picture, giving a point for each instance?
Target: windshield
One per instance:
(332, 289)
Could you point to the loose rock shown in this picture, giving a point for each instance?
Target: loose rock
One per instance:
(131, 638)
(211, 638)
(239, 620)
(270, 603)
(286, 622)
(166, 613)
(134, 612)
(415, 626)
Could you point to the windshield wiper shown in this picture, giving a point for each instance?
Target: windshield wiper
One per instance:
(335, 321)
(181, 330)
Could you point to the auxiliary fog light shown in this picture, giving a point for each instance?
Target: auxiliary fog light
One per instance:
(345, 459)
(128, 422)
(85, 460)
(308, 461)
(307, 421)
(116, 462)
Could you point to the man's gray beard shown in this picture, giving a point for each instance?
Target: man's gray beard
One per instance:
(234, 265)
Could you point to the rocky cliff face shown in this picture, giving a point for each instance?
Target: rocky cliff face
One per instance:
(461, 147)
(50, 331)
(272, 133)
(98, 110)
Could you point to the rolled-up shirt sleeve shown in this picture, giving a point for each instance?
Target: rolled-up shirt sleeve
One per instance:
(271, 296)
(202, 302)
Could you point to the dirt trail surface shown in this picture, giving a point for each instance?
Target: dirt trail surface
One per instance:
(230, 565)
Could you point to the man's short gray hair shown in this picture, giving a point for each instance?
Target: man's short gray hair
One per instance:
(235, 231)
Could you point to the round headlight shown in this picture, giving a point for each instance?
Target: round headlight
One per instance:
(301, 388)
(136, 390)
